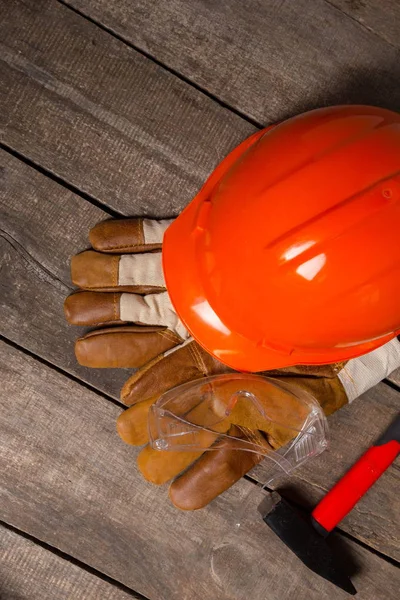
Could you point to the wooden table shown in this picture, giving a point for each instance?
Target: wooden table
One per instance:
(124, 108)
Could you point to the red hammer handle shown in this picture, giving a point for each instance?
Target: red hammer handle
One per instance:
(357, 481)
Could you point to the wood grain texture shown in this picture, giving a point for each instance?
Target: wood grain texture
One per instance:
(380, 16)
(42, 225)
(69, 480)
(29, 572)
(51, 113)
(375, 520)
(267, 59)
(395, 377)
(103, 117)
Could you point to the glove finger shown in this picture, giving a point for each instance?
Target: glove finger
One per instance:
(127, 346)
(92, 308)
(213, 473)
(128, 235)
(184, 363)
(96, 308)
(132, 423)
(133, 429)
(140, 273)
(159, 466)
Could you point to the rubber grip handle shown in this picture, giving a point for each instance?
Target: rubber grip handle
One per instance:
(357, 481)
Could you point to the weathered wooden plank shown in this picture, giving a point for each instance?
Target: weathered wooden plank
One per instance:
(28, 571)
(39, 237)
(103, 117)
(267, 59)
(375, 520)
(45, 299)
(42, 225)
(70, 482)
(380, 16)
(395, 377)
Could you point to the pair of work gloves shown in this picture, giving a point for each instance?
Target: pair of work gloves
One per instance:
(123, 295)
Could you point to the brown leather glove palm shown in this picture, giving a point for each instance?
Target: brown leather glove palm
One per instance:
(124, 293)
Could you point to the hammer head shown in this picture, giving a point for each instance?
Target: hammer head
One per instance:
(300, 536)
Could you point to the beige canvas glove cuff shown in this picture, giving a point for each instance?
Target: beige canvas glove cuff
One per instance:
(362, 373)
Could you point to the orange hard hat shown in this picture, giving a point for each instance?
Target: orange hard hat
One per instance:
(290, 253)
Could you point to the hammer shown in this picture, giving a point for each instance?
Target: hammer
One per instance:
(306, 536)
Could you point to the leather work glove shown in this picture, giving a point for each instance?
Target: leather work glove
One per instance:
(122, 292)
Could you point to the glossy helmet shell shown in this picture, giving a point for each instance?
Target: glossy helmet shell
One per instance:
(290, 253)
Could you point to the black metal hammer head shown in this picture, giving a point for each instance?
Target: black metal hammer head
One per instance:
(301, 537)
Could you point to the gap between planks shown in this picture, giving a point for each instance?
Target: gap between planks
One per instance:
(164, 66)
(124, 524)
(249, 478)
(34, 186)
(57, 179)
(73, 561)
(62, 371)
(337, 529)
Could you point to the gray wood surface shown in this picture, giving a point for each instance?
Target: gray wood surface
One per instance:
(269, 59)
(30, 572)
(395, 377)
(375, 520)
(68, 480)
(107, 120)
(380, 16)
(44, 224)
(103, 117)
